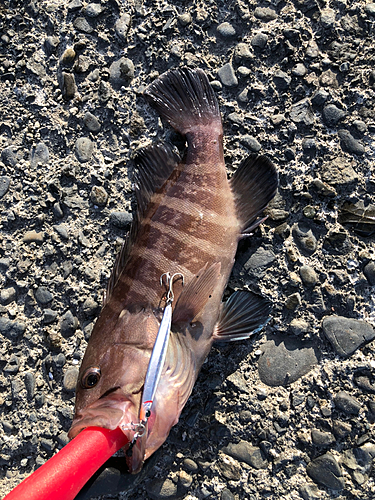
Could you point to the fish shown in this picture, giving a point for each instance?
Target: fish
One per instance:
(187, 225)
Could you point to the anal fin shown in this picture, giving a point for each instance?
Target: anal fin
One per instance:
(196, 293)
(242, 315)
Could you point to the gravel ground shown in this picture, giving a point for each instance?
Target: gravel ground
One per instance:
(289, 414)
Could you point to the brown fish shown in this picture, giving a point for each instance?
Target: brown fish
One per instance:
(190, 218)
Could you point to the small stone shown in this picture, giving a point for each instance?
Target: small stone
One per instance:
(82, 64)
(75, 5)
(312, 50)
(227, 75)
(285, 360)
(346, 403)
(99, 196)
(70, 379)
(242, 53)
(105, 91)
(162, 489)
(84, 149)
(299, 326)
(90, 307)
(332, 115)
(338, 172)
(282, 80)
(190, 465)
(93, 10)
(326, 471)
(68, 324)
(300, 112)
(61, 230)
(308, 276)
(121, 71)
(91, 122)
(30, 382)
(226, 30)
(265, 14)
(33, 237)
(122, 220)
(305, 238)
(230, 471)
(293, 301)
(185, 18)
(341, 429)
(370, 9)
(4, 185)
(9, 156)
(69, 87)
(259, 41)
(50, 44)
(47, 444)
(122, 26)
(43, 295)
(81, 24)
(319, 98)
(13, 365)
(8, 295)
(251, 143)
(259, 262)
(49, 316)
(327, 17)
(309, 492)
(323, 188)
(244, 452)
(83, 240)
(11, 329)
(39, 155)
(226, 495)
(338, 242)
(68, 56)
(369, 272)
(321, 438)
(350, 144)
(299, 70)
(185, 479)
(346, 335)
(309, 212)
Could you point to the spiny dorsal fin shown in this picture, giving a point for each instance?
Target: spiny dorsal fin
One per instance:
(154, 165)
(196, 293)
(242, 315)
(254, 184)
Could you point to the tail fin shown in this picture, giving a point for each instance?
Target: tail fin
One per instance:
(185, 98)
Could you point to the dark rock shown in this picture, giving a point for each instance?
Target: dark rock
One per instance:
(47, 444)
(346, 403)
(68, 85)
(259, 261)
(122, 26)
(319, 98)
(359, 462)
(49, 316)
(310, 492)
(301, 112)
(227, 75)
(285, 359)
(13, 365)
(244, 452)
(369, 272)
(122, 220)
(9, 156)
(30, 382)
(282, 80)
(81, 24)
(8, 295)
(251, 143)
(70, 379)
(309, 146)
(68, 324)
(259, 41)
(99, 196)
(341, 429)
(265, 14)
(349, 144)
(346, 334)
(305, 238)
(43, 296)
(308, 276)
(293, 301)
(50, 44)
(91, 122)
(4, 185)
(11, 329)
(338, 242)
(84, 149)
(326, 471)
(332, 115)
(226, 30)
(321, 438)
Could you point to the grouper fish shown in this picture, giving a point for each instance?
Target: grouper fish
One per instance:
(188, 223)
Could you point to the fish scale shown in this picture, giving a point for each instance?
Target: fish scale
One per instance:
(189, 220)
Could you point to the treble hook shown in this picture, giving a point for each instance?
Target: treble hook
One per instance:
(169, 282)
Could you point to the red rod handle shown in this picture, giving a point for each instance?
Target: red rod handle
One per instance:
(64, 475)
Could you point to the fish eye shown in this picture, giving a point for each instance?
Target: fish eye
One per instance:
(91, 377)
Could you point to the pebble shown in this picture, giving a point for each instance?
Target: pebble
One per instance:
(251, 143)
(259, 262)
(84, 149)
(81, 24)
(8, 295)
(30, 382)
(245, 452)
(370, 9)
(369, 272)
(69, 88)
(332, 114)
(346, 335)
(300, 112)
(265, 14)
(90, 307)
(13, 365)
(226, 30)
(349, 143)
(286, 359)
(11, 329)
(68, 56)
(319, 98)
(346, 403)
(70, 379)
(122, 26)
(9, 156)
(162, 489)
(327, 17)
(309, 146)
(75, 5)
(227, 75)
(121, 71)
(190, 465)
(4, 185)
(39, 155)
(242, 53)
(338, 172)
(33, 236)
(359, 462)
(61, 230)
(341, 429)
(259, 41)
(68, 324)
(93, 10)
(226, 495)
(322, 438)
(281, 79)
(43, 295)
(304, 238)
(99, 196)
(308, 276)
(91, 122)
(50, 44)
(293, 301)
(309, 492)
(49, 316)
(121, 220)
(299, 326)
(326, 471)
(299, 70)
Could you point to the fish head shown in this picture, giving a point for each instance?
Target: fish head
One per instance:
(112, 374)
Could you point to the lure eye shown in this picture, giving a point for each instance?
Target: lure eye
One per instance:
(91, 377)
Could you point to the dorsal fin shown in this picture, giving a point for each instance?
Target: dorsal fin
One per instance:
(254, 184)
(154, 164)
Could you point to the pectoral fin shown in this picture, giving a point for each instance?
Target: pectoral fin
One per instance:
(196, 293)
(242, 315)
